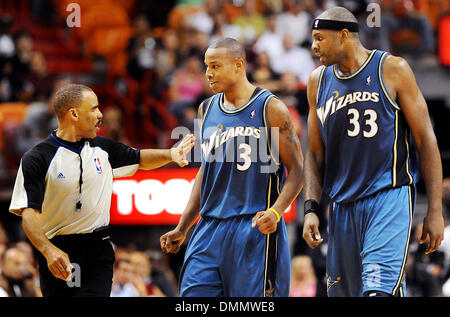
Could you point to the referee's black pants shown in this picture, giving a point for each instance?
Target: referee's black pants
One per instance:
(92, 256)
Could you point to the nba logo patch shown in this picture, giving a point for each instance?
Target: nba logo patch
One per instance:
(252, 115)
(98, 165)
(368, 81)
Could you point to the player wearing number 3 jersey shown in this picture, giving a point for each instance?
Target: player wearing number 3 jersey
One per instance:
(239, 247)
(366, 118)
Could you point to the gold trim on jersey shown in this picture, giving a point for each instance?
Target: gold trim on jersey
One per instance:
(266, 126)
(394, 164)
(402, 270)
(241, 107)
(206, 112)
(319, 84)
(383, 87)
(407, 159)
(266, 264)
(360, 69)
(267, 240)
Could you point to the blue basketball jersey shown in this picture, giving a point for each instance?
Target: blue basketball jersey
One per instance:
(367, 142)
(241, 173)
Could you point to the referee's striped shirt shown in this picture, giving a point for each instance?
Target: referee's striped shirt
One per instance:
(49, 175)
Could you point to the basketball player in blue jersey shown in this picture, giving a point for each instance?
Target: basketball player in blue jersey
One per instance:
(367, 116)
(239, 246)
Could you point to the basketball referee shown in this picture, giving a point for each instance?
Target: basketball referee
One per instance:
(63, 194)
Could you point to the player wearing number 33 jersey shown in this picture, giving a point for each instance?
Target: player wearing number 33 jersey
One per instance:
(368, 150)
(367, 118)
(368, 144)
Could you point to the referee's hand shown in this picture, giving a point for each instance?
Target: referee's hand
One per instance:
(179, 152)
(58, 263)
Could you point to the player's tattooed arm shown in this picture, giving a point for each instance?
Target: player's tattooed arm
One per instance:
(288, 148)
(288, 129)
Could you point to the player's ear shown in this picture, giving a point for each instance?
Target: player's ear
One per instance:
(239, 64)
(343, 35)
(73, 114)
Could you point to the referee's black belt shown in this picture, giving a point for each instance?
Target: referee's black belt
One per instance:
(101, 233)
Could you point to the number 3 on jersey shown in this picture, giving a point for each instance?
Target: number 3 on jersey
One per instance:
(244, 155)
(370, 122)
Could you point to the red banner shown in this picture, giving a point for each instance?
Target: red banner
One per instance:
(156, 197)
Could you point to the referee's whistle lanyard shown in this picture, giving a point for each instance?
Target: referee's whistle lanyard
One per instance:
(80, 181)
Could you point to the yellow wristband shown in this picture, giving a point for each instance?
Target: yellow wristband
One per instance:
(276, 213)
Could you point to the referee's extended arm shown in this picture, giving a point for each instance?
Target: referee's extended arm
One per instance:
(154, 158)
(58, 261)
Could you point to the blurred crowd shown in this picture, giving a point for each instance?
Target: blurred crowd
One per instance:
(146, 66)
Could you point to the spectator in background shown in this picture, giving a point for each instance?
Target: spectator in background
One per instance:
(357, 7)
(417, 38)
(16, 277)
(141, 49)
(424, 270)
(293, 93)
(39, 82)
(167, 55)
(122, 280)
(10, 83)
(295, 59)
(40, 121)
(7, 48)
(262, 74)
(203, 19)
(162, 275)
(142, 270)
(294, 21)
(251, 22)
(222, 28)
(112, 126)
(303, 278)
(26, 248)
(270, 41)
(24, 50)
(14, 67)
(289, 94)
(188, 83)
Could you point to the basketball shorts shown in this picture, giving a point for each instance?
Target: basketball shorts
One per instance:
(227, 257)
(368, 243)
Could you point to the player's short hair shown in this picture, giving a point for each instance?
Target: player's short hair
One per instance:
(234, 48)
(68, 96)
(338, 14)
